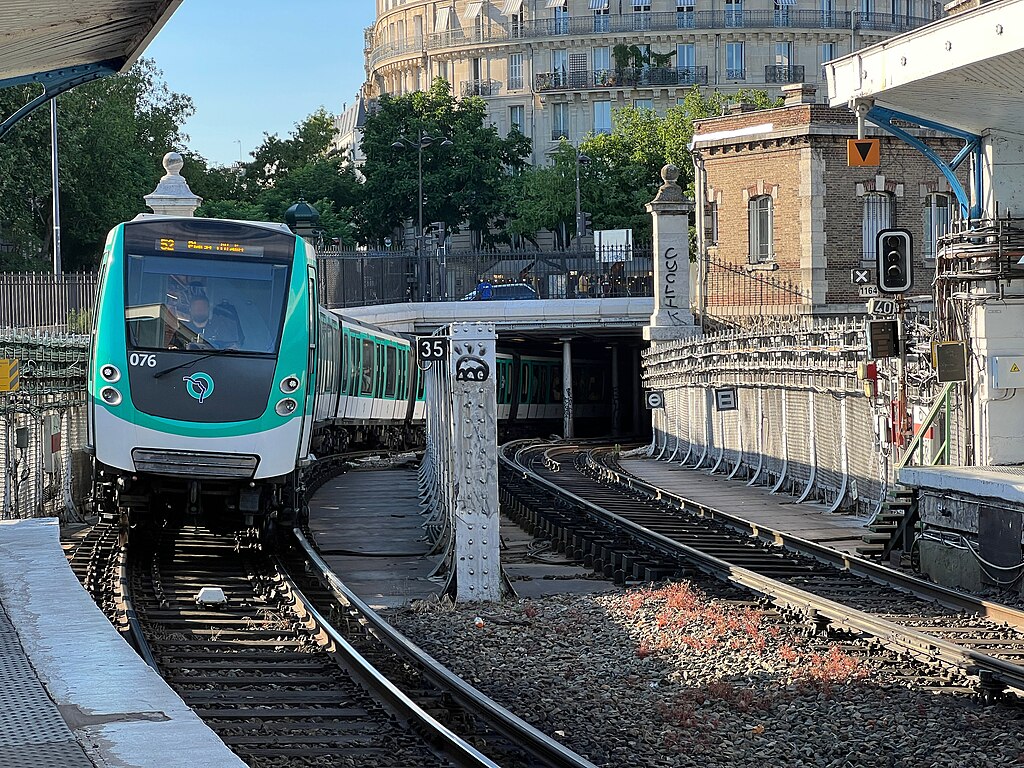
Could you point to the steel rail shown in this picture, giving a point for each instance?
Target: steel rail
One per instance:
(454, 747)
(784, 595)
(858, 566)
(538, 744)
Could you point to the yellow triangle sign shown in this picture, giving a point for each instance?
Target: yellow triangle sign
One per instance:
(1014, 368)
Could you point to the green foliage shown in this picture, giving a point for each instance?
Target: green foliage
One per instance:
(281, 172)
(112, 135)
(463, 185)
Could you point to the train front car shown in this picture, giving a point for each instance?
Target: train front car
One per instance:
(199, 396)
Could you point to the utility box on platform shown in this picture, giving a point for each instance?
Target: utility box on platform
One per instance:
(1008, 371)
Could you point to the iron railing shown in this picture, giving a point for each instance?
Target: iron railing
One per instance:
(735, 73)
(625, 23)
(735, 293)
(353, 279)
(480, 88)
(41, 300)
(629, 76)
(784, 73)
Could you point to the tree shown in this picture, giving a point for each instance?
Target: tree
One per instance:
(624, 173)
(112, 135)
(466, 184)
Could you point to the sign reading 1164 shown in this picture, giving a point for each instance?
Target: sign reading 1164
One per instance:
(431, 349)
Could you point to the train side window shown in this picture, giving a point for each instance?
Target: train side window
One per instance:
(369, 358)
(391, 366)
(421, 383)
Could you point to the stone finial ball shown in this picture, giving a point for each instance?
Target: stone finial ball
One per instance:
(173, 162)
(670, 173)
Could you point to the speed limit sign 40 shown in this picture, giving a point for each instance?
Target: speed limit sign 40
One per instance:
(430, 349)
(655, 399)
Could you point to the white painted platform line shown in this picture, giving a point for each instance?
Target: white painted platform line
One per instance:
(118, 708)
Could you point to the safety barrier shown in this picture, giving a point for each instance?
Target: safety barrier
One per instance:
(43, 425)
(797, 419)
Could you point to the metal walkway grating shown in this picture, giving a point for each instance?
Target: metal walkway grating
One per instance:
(32, 732)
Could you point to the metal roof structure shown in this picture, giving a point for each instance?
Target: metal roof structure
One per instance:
(965, 71)
(64, 43)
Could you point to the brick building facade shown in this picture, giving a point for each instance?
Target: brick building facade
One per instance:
(782, 219)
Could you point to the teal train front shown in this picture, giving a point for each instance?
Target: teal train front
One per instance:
(204, 347)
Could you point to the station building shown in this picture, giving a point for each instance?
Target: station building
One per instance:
(555, 69)
(777, 200)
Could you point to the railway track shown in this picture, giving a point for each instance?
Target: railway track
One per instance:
(269, 670)
(626, 529)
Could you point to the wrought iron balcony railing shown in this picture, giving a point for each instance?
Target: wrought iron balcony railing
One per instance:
(784, 73)
(628, 77)
(480, 88)
(735, 73)
(625, 23)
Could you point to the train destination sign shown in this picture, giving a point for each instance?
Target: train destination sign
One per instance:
(173, 245)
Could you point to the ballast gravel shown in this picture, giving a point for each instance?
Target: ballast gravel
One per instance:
(669, 676)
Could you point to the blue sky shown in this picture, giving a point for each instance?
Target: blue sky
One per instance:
(255, 66)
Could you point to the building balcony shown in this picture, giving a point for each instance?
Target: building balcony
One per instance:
(630, 77)
(783, 73)
(479, 88)
(628, 24)
(734, 73)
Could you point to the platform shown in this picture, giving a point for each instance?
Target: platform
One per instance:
(368, 526)
(72, 692)
(754, 503)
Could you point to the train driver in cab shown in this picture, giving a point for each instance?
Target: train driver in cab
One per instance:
(205, 328)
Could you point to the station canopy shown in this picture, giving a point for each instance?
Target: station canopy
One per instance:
(965, 71)
(50, 41)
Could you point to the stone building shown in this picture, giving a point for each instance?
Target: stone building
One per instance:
(548, 67)
(782, 219)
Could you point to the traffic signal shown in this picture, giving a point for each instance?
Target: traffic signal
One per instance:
(439, 233)
(894, 252)
(584, 224)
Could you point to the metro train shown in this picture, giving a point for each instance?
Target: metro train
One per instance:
(215, 375)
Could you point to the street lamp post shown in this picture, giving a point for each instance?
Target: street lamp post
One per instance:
(424, 141)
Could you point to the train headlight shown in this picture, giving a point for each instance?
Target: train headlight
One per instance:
(290, 384)
(110, 396)
(286, 407)
(110, 373)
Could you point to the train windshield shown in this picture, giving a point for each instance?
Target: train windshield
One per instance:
(181, 303)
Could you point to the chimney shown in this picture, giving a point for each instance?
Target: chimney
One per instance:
(739, 107)
(799, 93)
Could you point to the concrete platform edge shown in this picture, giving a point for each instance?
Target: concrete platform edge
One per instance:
(122, 713)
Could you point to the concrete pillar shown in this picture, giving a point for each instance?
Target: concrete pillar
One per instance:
(172, 197)
(567, 428)
(477, 571)
(616, 406)
(672, 318)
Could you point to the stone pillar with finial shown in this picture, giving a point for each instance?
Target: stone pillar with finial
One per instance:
(672, 318)
(172, 197)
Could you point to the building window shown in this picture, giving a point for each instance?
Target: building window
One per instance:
(937, 215)
(828, 13)
(684, 14)
(517, 118)
(559, 121)
(759, 211)
(560, 68)
(711, 227)
(602, 19)
(561, 19)
(602, 117)
(602, 66)
(734, 61)
(641, 15)
(826, 52)
(877, 216)
(643, 104)
(515, 71)
(783, 54)
(734, 13)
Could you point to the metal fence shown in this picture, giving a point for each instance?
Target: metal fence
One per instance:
(352, 278)
(42, 300)
(43, 426)
(802, 425)
(731, 294)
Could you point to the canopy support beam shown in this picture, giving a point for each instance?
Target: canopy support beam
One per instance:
(883, 117)
(56, 82)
